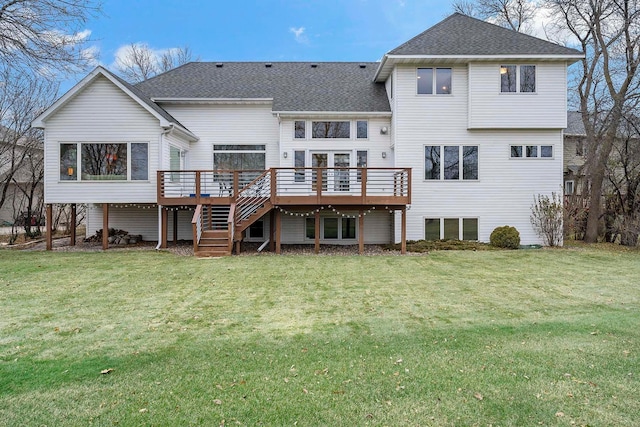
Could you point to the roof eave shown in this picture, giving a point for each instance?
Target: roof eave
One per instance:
(390, 60)
(288, 114)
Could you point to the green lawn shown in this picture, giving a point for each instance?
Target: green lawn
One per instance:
(502, 338)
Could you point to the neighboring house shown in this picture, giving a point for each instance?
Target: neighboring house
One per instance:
(21, 180)
(449, 136)
(575, 143)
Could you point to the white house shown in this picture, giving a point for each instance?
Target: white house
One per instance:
(447, 137)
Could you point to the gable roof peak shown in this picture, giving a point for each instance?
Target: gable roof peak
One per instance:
(460, 34)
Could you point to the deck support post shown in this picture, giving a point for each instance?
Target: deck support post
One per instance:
(272, 230)
(105, 226)
(49, 224)
(72, 228)
(278, 230)
(165, 228)
(361, 231)
(175, 227)
(403, 237)
(238, 246)
(317, 231)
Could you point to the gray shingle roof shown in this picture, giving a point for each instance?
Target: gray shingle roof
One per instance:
(463, 35)
(575, 126)
(293, 86)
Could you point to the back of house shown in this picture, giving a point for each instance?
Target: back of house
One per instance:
(450, 135)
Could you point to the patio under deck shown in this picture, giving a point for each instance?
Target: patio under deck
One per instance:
(251, 194)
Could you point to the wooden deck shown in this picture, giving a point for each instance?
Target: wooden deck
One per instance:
(288, 186)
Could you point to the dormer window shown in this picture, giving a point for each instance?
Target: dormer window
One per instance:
(430, 78)
(518, 78)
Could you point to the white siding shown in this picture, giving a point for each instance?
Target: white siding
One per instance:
(504, 192)
(227, 124)
(100, 113)
(377, 228)
(544, 109)
(375, 144)
(136, 220)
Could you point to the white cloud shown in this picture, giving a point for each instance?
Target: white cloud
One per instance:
(299, 35)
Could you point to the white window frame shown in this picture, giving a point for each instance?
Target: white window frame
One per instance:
(569, 183)
(322, 238)
(460, 226)
(356, 129)
(78, 166)
(517, 91)
(351, 136)
(523, 148)
(460, 156)
(265, 233)
(434, 79)
(305, 130)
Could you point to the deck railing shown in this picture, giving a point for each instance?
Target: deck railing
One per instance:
(287, 186)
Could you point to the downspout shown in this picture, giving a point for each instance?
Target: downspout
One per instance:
(166, 131)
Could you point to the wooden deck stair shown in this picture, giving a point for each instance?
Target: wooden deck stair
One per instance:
(213, 243)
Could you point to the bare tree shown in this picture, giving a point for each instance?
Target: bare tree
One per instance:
(140, 62)
(28, 196)
(517, 15)
(608, 33)
(622, 194)
(45, 35)
(22, 98)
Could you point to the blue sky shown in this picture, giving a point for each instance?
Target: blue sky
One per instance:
(269, 30)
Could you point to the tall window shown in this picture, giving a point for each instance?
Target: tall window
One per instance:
(300, 129)
(331, 130)
(239, 157)
(362, 129)
(518, 78)
(451, 162)
(104, 161)
(430, 78)
(68, 162)
(299, 163)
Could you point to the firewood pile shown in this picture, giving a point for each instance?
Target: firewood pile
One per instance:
(116, 237)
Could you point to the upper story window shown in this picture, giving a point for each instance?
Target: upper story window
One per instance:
(362, 129)
(104, 161)
(300, 129)
(239, 157)
(430, 78)
(518, 78)
(331, 130)
(531, 151)
(451, 162)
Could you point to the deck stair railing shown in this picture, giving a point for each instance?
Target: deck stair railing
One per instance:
(253, 201)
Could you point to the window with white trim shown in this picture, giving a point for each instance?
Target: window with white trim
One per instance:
(299, 129)
(531, 151)
(256, 230)
(239, 157)
(338, 130)
(101, 161)
(451, 162)
(569, 187)
(362, 131)
(451, 229)
(517, 78)
(430, 78)
(332, 228)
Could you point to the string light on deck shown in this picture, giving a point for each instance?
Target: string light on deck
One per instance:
(132, 205)
(333, 209)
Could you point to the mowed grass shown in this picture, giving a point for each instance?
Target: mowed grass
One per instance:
(502, 338)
